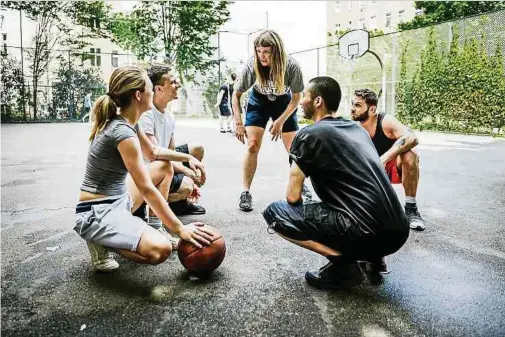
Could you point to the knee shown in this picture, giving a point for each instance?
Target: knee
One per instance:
(410, 159)
(197, 150)
(187, 187)
(160, 252)
(167, 168)
(273, 211)
(253, 146)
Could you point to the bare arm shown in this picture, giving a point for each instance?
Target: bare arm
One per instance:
(156, 152)
(130, 151)
(198, 179)
(405, 138)
(237, 109)
(295, 185)
(293, 104)
(219, 98)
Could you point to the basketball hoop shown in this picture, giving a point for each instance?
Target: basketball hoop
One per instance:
(354, 44)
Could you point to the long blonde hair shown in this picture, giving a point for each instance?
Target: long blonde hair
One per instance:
(123, 83)
(278, 64)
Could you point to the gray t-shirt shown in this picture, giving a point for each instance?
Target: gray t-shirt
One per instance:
(105, 169)
(293, 79)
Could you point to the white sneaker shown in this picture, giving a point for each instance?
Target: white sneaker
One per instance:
(173, 240)
(101, 258)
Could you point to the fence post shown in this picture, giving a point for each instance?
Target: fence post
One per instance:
(318, 73)
(393, 77)
(23, 96)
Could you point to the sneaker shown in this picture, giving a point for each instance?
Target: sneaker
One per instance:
(335, 276)
(374, 267)
(173, 240)
(245, 202)
(306, 194)
(414, 218)
(222, 131)
(101, 258)
(229, 131)
(183, 207)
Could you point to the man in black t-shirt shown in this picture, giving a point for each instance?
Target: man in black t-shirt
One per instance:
(224, 103)
(359, 217)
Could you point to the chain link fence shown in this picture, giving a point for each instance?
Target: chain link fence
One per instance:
(53, 87)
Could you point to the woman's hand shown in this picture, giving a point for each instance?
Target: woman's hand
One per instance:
(196, 233)
(240, 132)
(276, 128)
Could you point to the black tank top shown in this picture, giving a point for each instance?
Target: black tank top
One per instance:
(381, 142)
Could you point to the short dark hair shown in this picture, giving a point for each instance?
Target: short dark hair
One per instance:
(328, 89)
(156, 74)
(368, 95)
(233, 76)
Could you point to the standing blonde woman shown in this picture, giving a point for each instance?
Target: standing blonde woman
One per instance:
(277, 83)
(103, 214)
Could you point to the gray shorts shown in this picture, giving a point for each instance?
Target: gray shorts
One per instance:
(109, 222)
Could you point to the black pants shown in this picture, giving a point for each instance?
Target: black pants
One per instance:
(316, 221)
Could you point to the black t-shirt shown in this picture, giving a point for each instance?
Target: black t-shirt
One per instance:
(228, 91)
(347, 174)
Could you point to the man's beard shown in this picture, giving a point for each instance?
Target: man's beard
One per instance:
(308, 113)
(361, 118)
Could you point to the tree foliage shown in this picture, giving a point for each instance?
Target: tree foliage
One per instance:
(440, 11)
(460, 89)
(11, 95)
(180, 30)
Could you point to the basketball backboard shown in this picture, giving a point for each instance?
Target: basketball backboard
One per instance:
(354, 43)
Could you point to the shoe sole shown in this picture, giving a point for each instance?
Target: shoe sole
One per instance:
(419, 229)
(342, 285)
(245, 209)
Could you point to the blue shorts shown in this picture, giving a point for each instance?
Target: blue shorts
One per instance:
(260, 109)
(224, 110)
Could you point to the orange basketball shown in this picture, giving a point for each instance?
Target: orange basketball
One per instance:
(202, 261)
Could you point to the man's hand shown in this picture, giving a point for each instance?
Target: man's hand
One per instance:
(240, 132)
(196, 166)
(276, 128)
(195, 176)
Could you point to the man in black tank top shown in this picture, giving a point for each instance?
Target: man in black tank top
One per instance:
(359, 217)
(394, 143)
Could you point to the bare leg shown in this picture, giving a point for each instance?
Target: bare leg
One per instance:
(287, 139)
(161, 173)
(196, 150)
(408, 164)
(184, 191)
(153, 248)
(314, 246)
(254, 139)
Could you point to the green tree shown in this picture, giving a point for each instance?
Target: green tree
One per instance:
(11, 95)
(75, 83)
(440, 11)
(180, 30)
(56, 24)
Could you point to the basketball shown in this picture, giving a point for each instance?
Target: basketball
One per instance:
(202, 261)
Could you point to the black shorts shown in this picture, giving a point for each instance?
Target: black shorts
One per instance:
(260, 109)
(176, 183)
(224, 110)
(318, 222)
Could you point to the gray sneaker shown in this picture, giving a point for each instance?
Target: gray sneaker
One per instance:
(101, 258)
(414, 218)
(245, 202)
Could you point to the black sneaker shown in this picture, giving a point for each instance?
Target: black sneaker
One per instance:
(306, 194)
(222, 131)
(414, 218)
(245, 202)
(183, 207)
(335, 276)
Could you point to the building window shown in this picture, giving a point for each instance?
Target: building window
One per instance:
(373, 22)
(95, 57)
(362, 23)
(4, 36)
(361, 5)
(419, 11)
(349, 25)
(388, 20)
(338, 7)
(338, 26)
(114, 59)
(401, 15)
(374, 2)
(349, 5)
(4, 49)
